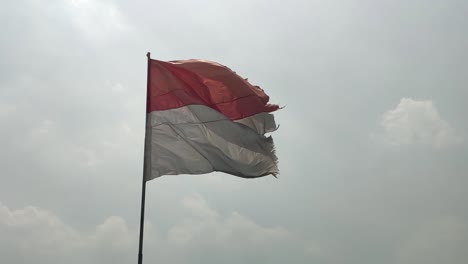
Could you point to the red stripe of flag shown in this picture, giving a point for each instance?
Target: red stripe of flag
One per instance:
(194, 82)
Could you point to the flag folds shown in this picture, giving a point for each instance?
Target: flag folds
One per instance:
(203, 117)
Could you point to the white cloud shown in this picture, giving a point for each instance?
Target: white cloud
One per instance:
(35, 235)
(97, 19)
(44, 128)
(207, 234)
(35, 231)
(416, 122)
(39, 234)
(6, 109)
(206, 224)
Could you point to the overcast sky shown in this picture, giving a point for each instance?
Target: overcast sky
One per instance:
(372, 141)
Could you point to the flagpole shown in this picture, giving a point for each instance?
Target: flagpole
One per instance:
(143, 186)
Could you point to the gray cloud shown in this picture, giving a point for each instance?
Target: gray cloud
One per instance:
(72, 84)
(439, 240)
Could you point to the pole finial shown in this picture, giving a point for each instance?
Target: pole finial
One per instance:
(148, 55)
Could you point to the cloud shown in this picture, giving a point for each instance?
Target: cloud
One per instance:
(206, 224)
(34, 229)
(6, 109)
(416, 122)
(442, 240)
(97, 20)
(72, 91)
(208, 236)
(42, 235)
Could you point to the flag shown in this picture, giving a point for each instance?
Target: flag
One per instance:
(203, 117)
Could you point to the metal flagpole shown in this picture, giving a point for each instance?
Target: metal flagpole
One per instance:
(143, 187)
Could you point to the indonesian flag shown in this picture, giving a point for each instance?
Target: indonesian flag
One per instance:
(203, 117)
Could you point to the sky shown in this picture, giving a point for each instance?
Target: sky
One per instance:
(372, 143)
